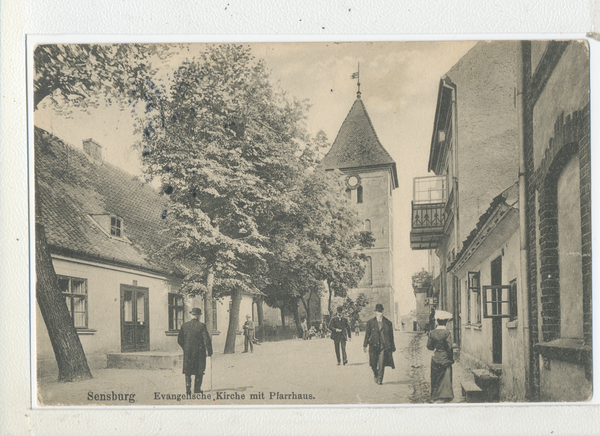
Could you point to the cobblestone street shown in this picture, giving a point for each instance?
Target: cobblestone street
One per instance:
(286, 372)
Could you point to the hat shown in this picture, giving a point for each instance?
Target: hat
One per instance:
(379, 308)
(247, 316)
(340, 309)
(196, 311)
(442, 314)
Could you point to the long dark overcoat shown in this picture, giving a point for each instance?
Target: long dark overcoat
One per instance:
(196, 343)
(373, 340)
(341, 324)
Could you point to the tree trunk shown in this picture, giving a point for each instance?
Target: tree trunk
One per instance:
(208, 298)
(282, 310)
(306, 305)
(68, 351)
(294, 309)
(234, 321)
(259, 311)
(70, 357)
(329, 301)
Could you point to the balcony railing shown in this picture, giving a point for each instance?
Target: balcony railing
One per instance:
(427, 228)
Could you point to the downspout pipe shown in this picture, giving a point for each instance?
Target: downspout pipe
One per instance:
(524, 252)
(454, 122)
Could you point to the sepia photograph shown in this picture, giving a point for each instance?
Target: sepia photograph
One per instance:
(311, 223)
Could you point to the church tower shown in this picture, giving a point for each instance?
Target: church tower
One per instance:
(370, 176)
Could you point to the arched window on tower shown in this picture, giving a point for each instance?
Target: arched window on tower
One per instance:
(359, 194)
(369, 272)
(348, 194)
(367, 226)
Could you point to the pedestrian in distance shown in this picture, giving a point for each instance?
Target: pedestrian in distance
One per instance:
(248, 334)
(379, 338)
(340, 333)
(196, 343)
(304, 329)
(440, 341)
(357, 330)
(432, 320)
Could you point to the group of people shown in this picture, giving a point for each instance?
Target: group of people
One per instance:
(196, 343)
(379, 342)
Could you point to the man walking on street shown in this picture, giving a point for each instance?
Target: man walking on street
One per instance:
(248, 335)
(379, 336)
(340, 331)
(196, 343)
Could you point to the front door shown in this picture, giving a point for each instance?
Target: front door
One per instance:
(135, 332)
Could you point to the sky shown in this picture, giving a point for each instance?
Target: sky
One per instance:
(399, 86)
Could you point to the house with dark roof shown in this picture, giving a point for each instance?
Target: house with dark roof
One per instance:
(102, 225)
(370, 175)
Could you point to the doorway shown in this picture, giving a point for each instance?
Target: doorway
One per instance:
(135, 325)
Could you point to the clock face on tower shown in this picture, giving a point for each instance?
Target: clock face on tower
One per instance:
(353, 181)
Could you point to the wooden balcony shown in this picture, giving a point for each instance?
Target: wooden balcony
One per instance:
(427, 225)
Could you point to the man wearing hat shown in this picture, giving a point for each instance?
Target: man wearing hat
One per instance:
(248, 334)
(340, 331)
(379, 336)
(196, 343)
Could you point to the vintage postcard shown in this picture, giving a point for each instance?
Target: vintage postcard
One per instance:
(355, 223)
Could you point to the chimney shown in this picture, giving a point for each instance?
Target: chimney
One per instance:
(92, 149)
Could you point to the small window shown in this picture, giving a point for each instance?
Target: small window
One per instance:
(369, 272)
(176, 311)
(359, 194)
(214, 315)
(75, 292)
(116, 226)
(496, 301)
(474, 287)
(367, 225)
(513, 300)
(348, 194)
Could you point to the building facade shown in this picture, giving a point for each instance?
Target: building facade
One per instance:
(101, 224)
(370, 176)
(556, 137)
(516, 274)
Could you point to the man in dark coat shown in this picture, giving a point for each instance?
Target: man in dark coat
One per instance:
(340, 332)
(196, 343)
(379, 336)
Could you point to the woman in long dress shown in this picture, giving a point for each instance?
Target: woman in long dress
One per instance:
(440, 340)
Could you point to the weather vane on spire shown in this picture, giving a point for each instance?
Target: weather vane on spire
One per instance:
(357, 77)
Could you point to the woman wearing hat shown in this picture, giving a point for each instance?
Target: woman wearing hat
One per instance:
(440, 341)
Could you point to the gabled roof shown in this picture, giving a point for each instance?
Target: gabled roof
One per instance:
(72, 187)
(357, 145)
(500, 205)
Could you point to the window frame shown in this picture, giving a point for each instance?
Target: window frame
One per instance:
(116, 229)
(72, 296)
(474, 285)
(498, 302)
(172, 297)
(514, 302)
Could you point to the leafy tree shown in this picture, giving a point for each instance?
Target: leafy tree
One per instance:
(75, 77)
(224, 144)
(422, 279)
(352, 309)
(314, 239)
